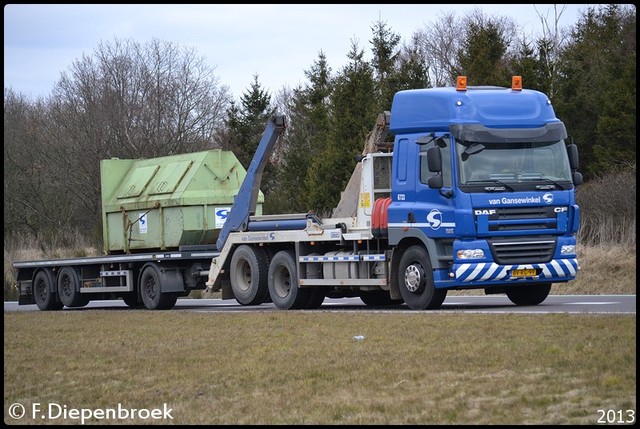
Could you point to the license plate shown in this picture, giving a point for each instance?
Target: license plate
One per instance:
(526, 272)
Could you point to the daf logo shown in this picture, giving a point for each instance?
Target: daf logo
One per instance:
(484, 212)
(548, 198)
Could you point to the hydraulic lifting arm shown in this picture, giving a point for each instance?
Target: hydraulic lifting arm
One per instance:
(246, 201)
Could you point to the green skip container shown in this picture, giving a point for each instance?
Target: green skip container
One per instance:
(169, 202)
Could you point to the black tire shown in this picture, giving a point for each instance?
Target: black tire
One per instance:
(248, 274)
(46, 299)
(377, 298)
(415, 280)
(283, 283)
(532, 294)
(132, 300)
(151, 290)
(69, 288)
(316, 298)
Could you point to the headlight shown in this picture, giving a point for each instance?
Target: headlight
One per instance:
(568, 249)
(470, 254)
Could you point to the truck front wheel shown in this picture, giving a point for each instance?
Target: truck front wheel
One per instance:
(151, 290)
(283, 283)
(248, 275)
(532, 294)
(44, 292)
(415, 280)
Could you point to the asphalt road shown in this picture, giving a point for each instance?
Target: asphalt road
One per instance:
(590, 304)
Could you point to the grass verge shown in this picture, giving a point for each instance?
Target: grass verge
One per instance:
(306, 368)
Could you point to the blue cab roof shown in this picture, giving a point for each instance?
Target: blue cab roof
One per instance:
(434, 109)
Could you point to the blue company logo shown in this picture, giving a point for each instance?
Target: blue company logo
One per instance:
(548, 198)
(222, 213)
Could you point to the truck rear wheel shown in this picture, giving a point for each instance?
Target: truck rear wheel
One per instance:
(69, 288)
(283, 283)
(44, 292)
(415, 280)
(151, 290)
(248, 275)
(532, 294)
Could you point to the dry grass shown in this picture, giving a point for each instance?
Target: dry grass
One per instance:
(305, 368)
(604, 270)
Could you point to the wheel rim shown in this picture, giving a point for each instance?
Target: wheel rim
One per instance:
(151, 287)
(41, 291)
(413, 277)
(244, 276)
(282, 281)
(66, 286)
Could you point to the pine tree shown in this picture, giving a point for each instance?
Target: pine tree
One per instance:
(353, 111)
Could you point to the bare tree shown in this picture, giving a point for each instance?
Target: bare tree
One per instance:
(447, 40)
(25, 181)
(440, 42)
(550, 45)
(126, 100)
(143, 100)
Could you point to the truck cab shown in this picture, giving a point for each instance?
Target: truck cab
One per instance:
(483, 191)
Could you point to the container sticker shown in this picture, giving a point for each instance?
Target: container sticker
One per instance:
(142, 223)
(221, 216)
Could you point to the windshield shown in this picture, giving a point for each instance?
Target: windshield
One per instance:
(509, 163)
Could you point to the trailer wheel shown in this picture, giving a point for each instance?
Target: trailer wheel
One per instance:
(151, 290)
(69, 288)
(131, 299)
(283, 283)
(44, 292)
(532, 294)
(376, 298)
(415, 280)
(248, 275)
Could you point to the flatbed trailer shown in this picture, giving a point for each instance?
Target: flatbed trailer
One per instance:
(154, 279)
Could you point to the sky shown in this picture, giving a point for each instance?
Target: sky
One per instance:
(276, 42)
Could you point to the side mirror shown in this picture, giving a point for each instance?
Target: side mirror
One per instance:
(577, 178)
(572, 151)
(435, 182)
(434, 159)
(434, 164)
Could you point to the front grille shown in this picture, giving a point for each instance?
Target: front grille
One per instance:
(522, 218)
(509, 219)
(522, 250)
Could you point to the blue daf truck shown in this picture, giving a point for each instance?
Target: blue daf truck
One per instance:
(476, 191)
